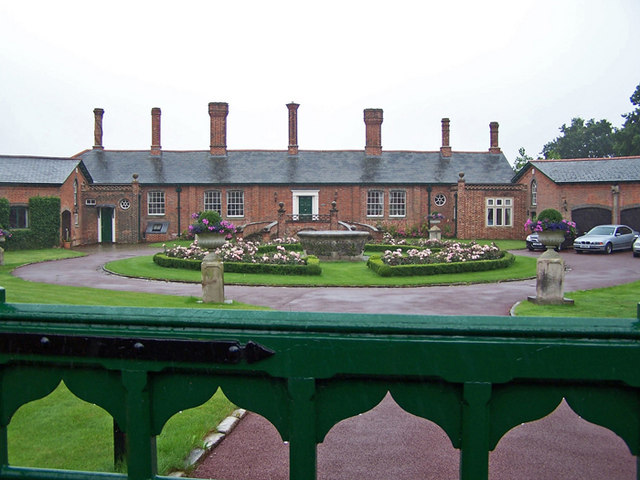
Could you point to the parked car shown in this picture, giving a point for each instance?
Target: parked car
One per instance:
(606, 238)
(636, 247)
(533, 242)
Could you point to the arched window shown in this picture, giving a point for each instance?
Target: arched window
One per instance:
(534, 193)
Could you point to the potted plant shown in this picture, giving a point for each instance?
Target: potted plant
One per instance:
(210, 230)
(435, 217)
(550, 227)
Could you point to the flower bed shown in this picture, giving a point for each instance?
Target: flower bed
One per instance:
(455, 258)
(244, 257)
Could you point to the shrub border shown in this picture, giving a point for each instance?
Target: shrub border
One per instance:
(376, 264)
(311, 268)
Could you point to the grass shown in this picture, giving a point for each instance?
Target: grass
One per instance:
(334, 274)
(620, 301)
(21, 291)
(41, 435)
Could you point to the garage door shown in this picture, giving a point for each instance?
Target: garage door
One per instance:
(587, 218)
(631, 217)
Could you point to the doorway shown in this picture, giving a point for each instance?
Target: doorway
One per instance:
(106, 220)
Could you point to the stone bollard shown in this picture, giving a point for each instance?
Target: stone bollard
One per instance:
(550, 280)
(1, 256)
(212, 279)
(435, 233)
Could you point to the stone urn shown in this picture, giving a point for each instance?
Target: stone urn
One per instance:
(210, 241)
(551, 238)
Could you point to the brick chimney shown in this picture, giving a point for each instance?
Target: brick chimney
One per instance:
(373, 122)
(97, 128)
(494, 148)
(293, 128)
(218, 112)
(156, 149)
(445, 149)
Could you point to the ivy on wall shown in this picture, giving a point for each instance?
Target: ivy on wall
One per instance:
(44, 225)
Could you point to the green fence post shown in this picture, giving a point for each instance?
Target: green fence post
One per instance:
(474, 458)
(302, 438)
(141, 444)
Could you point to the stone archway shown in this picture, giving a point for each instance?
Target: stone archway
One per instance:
(65, 226)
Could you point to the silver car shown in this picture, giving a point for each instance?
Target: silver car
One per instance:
(636, 247)
(605, 238)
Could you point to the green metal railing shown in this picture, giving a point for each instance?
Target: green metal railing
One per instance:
(474, 376)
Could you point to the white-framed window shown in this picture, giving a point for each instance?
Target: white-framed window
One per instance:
(440, 199)
(534, 193)
(397, 203)
(235, 203)
(75, 192)
(375, 203)
(155, 202)
(213, 201)
(499, 212)
(125, 204)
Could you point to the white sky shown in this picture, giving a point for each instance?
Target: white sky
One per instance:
(530, 65)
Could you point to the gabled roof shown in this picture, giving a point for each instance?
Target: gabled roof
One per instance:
(38, 170)
(242, 167)
(587, 170)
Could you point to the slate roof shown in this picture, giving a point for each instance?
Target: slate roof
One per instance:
(308, 167)
(37, 170)
(594, 170)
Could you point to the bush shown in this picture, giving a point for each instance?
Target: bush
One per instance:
(311, 268)
(376, 264)
(378, 247)
(4, 213)
(550, 214)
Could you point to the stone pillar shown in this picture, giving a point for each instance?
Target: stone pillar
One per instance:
(281, 229)
(435, 233)
(550, 279)
(212, 279)
(333, 217)
(615, 211)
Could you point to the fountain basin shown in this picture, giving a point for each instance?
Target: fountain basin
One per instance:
(346, 245)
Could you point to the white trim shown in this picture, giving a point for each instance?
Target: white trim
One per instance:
(315, 202)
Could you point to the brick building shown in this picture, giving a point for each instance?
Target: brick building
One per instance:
(589, 191)
(149, 195)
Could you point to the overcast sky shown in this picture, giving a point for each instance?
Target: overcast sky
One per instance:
(529, 65)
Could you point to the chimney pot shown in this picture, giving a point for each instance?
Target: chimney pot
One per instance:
(445, 149)
(293, 128)
(97, 128)
(373, 123)
(156, 148)
(493, 128)
(218, 112)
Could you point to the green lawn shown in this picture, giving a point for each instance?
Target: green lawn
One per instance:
(343, 274)
(610, 302)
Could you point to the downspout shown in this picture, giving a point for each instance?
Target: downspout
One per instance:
(455, 215)
(429, 206)
(178, 190)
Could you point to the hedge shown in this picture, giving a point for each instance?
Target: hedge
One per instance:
(379, 247)
(311, 268)
(376, 264)
(4, 213)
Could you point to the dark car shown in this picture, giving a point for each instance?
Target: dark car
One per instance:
(606, 238)
(533, 242)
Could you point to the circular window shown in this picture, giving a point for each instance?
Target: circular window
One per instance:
(125, 204)
(440, 199)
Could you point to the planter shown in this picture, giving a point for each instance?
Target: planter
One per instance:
(210, 241)
(551, 238)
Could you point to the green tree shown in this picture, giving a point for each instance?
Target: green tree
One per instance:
(582, 139)
(627, 138)
(521, 159)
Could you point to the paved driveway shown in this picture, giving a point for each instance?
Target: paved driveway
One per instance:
(386, 442)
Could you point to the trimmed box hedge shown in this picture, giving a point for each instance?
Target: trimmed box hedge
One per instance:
(376, 264)
(311, 268)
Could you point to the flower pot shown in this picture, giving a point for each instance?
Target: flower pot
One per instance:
(551, 238)
(210, 240)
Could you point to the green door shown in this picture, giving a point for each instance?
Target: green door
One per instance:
(305, 208)
(106, 224)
